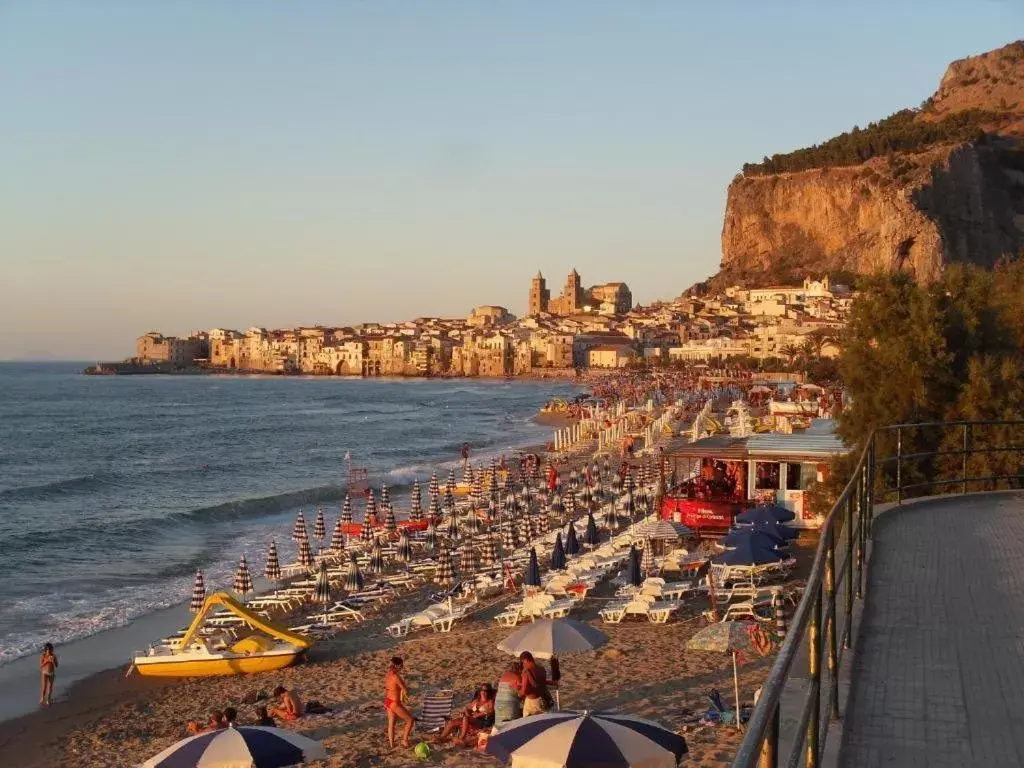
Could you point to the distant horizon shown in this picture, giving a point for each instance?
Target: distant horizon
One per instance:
(195, 165)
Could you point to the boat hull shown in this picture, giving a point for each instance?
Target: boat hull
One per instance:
(240, 665)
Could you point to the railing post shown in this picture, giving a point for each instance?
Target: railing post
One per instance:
(871, 488)
(963, 470)
(830, 626)
(899, 465)
(770, 746)
(814, 680)
(863, 518)
(850, 563)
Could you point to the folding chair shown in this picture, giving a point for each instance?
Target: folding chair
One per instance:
(436, 711)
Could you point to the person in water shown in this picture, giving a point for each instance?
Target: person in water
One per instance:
(48, 670)
(395, 694)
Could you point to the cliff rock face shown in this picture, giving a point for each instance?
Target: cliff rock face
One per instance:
(919, 210)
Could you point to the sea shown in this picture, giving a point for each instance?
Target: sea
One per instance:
(114, 490)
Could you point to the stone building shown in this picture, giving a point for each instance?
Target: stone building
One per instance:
(609, 298)
(154, 347)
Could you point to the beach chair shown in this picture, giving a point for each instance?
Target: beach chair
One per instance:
(510, 616)
(436, 710)
(613, 613)
(399, 628)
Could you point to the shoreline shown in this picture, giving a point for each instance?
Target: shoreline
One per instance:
(124, 368)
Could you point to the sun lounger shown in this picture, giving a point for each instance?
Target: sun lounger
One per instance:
(510, 616)
(613, 613)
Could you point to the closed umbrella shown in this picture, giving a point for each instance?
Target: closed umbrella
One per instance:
(590, 535)
(553, 637)
(435, 508)
(444, 574)
(198, 594)
(366, 532)
(415, 502)
(353, 578)
(390, 524)
(556, 507)
(617, 483)
(299, 529)
(731, 637)
(570, 504)
(404, 553)
(376, 558)
(543, 523)
(385, 496)
(488, 554)
(532, 577)
(320, 526)
(630, 506)
(473, 523)
(449, 501)
(430, 536)
(586, 739)
(509, 540)
(572, 544)
(243, 579)
(450, 484)
(633, 573)
(433, 486)
(467, 559)
(371, 506)
(322, 593)
(272, 571)
(453, 528)
(338, 536)
(525, 531)
(244, 745)
(558, 554)
(647, 560)
(346, 510)
(305, 554)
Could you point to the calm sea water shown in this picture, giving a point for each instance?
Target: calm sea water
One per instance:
(114, 490)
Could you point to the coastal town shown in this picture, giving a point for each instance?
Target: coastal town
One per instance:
(581, 328)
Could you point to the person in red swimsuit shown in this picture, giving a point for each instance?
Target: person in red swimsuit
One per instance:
(395, 694)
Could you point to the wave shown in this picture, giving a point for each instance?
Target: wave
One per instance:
(54, 488)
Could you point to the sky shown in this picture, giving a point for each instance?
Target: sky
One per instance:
(185, 165)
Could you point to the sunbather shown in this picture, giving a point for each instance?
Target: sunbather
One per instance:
(479, 715)
(507, 704)
(288, 706)
(395, 695)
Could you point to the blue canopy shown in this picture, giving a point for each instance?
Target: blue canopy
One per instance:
(572, 544)
(766, 514)
(532, 578)
(751, 548)
(779, 534)
(590, 536)
(558, 554)
(633, 575)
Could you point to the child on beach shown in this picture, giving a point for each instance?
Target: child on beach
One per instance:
(395, 694)
(48, 669)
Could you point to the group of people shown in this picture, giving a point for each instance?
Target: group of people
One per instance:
(284, 706)
(523, 690)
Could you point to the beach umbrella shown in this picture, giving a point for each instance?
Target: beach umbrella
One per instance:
(629, 506)
(558, 482)
(371, 506)
(590, 535)
(556, 506)
(390, 524)
(595, 472)
(272, 570)
(488, 553)
(299, 529)
(492, 509)
(617, 483)
(525, 531)
(765, 515)
(320, 527)
(242, 745)
(478, 489)
(574, 479)
(534, 523)
(572, 544)
(647, 564)
(449, 501)
(570, 504)
(509, 540)
(737, 536)
(633, 573)
(385, 496)
(305, 554)
(467, 558)
(453, 528)
(543, 523)
(198, 594)
(415, 502)
(366, 532)
(586, 739)
(322, 593)
(663, 530)
(243, 579)
(731, 637)
(473, 523)
(553, 637)
(353, 578)
(468, 475)
(585, 497)
(404, 553)
(750, 549)
(430, 536)
(444, 574)
(376, 558)
(435, 507)
(338, 536)
(532, 577)
(558, 554)
(450, 485)
(627, 480)
(607, 470)
(346, 510)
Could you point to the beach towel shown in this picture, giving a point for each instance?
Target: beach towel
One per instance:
(436, 710)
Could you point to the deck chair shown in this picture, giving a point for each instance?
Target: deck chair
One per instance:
(436, 711)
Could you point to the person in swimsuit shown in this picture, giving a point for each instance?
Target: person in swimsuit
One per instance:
(478, 716)
(48, 669)
(533, 683)
(507, 704)
(288, 706)
(395, 694)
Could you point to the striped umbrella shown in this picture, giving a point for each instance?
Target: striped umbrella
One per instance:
(488, 554)
(570, 504)
(543, 523)
(415, 503)
(305, 554)
(468, 475)
(353, 578)
(627, 480)
(390, 525)
(242, 745)
(572, 544)
(299, 529)
(243, 579)
(629, 506)
(524, 528)
(574, 479)
(509, 541)
(450, 484)
(617, 483)
(556, 507)
(577, 739)
(453, 529)
(338, 536)
(385, 496)
(322, 593)
(492, 510)
(467, 558)
(511, 504)
(346, 510)
(198, 594)
(478, 489)
(430, 535)
(404, 547)
(606, 471)
(366, 532)
(449, 500)
(371, 506)
(473, 523)
(444, 574)
(647, 559)
(320, 526)
(433, 487)
(558, 482)
(435, 507)
(585, 497)
(376, 558)
(595, 472)
(272, 570)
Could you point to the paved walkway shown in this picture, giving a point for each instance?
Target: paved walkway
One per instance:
(938, 678)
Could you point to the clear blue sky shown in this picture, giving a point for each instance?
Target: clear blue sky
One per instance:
(192, 164)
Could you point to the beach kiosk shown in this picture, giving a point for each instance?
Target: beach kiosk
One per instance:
(721, 475)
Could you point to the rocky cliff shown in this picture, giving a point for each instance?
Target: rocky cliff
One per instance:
(914, 192)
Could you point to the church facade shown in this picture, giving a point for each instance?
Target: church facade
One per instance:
(607, 299)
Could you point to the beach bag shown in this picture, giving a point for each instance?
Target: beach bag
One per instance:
(547, 698)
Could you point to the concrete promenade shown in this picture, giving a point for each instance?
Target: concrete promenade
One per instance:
(938, 675)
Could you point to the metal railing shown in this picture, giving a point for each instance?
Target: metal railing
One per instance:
(846, 531)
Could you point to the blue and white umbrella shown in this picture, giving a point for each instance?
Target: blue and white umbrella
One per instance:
(586, 739)
(245, 745)
(198, 594)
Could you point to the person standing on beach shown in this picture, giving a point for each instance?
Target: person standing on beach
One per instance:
(48, 669)
(465, 456)
(395, 694)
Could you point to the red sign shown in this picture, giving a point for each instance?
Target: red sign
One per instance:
(701, 516)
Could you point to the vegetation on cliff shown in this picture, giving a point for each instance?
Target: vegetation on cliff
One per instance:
(903, 131)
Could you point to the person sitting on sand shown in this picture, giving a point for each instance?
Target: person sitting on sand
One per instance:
(215, 723)
(48, 670)
(507, 704)
(264, 719)
(478, 716)
(395, 695)
(288, 706)
(230, 717)
(533, 686)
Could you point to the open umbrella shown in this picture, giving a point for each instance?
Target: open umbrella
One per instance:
(415, 503)
(737, 536)
(765, 514)
(663, 530)
(572, 544)
(404, 553)
(532, 577)
(346, 510)
(305, 554)
(633, 573)
(553, 637)
(353, 578)
(590, 535)
(272, 571)
(299, 529)
(243, 745)
(558, 554)
(586, 739)
(731, 637)
(320, 526)
(322, 593)
(198, 594)
(338, 536)
(750, 549)
(243, 579)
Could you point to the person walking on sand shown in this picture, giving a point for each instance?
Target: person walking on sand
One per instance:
(48, 670)
(465, 456)
(395, 694)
